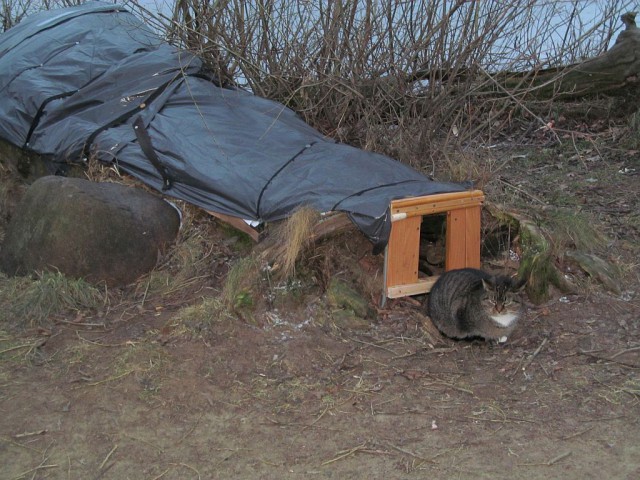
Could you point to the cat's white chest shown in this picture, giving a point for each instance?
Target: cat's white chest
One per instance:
(504, 319)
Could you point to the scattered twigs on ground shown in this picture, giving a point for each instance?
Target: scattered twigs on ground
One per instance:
(30, 434)
(189, 467)
(425, 351)
(577, 434)
(173, 466)
(622, 352)
(190, 430)
(374, 345)
(347, 453)
(553, 461)
(604, 419)
(81, 324)
(31, 346)
(535, 354)
(317, 419)
(505, 419)
(451, 385)
(8, 440)
(411, 454)
(128, 343)
(42, 466)
(111, 379)
(609, 359)
(523, 366)
(141, 440)
(363, 448)
(106, 459)
(520, 190)
(35, 470)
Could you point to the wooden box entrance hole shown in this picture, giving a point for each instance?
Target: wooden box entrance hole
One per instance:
(462, 242)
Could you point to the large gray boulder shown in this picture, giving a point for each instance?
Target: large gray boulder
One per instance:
(102, 232)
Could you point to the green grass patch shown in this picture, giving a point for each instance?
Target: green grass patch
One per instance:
(199, 317)
(242, 285)
(28, 302)
(571, 229)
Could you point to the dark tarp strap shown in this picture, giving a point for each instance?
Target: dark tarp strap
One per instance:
(124, 117)
(147, 148)
(38, 115)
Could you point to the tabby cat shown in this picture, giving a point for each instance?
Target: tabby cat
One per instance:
(471, 303)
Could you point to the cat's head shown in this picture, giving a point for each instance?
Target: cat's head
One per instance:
(503, 292)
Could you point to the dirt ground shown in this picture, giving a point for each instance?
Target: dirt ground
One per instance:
(129, 394)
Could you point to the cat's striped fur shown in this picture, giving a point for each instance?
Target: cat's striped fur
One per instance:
(470, 303)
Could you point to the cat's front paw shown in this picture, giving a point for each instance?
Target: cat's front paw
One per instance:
(502, 339)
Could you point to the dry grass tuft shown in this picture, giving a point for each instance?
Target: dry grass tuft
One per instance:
(292, 237)
(97, 171)
(190, 264)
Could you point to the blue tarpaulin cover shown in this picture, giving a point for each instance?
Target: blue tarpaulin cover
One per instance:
(74, 81)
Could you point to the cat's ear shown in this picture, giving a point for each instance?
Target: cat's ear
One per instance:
(518, 285)
(488, 284)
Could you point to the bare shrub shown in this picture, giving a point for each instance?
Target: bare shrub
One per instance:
(13, 11)
(410, 79)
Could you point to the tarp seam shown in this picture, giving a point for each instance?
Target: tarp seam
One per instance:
(116, 9)
(39, 113)
(285, 165)
(335, 207)
(33, 67)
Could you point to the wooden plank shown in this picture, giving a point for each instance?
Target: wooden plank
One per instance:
(421, 286)
(401, 266)
(456, 240)
(428, 205)
(330, 224)
(473, 238)
(438, 197)
(440, 207)
(462, 248)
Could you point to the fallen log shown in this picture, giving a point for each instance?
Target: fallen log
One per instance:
(615, 72)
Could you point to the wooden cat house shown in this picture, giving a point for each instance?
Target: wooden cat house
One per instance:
(462, 244)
